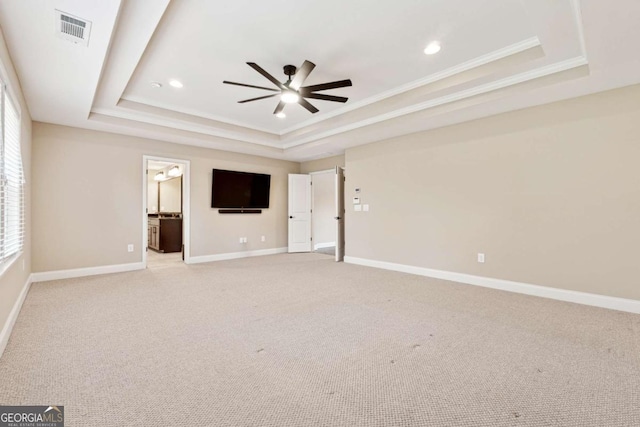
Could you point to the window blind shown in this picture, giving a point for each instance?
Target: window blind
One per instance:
(11, 180)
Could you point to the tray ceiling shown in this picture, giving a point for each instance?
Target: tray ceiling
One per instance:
(497, 55)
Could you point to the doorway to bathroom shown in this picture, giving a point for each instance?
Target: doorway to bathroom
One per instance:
(165, 212)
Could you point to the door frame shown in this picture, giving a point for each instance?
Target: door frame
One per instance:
(186, 205)
(313, 208)
(341, 211)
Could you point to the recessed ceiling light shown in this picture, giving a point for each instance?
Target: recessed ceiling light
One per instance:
(175, 83)
(281, 115)
(432, 48)
(155, 84)
(290, 97)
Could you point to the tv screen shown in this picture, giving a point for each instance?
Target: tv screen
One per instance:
(231, 189)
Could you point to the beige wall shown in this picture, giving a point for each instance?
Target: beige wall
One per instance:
(14, 278)
(322, 164)
(324, 210)
(550, 194)
(88, 201)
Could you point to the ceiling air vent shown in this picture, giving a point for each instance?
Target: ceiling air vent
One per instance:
(72, 28)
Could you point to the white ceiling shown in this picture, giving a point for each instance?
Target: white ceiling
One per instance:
(497, 56)
(352, 43)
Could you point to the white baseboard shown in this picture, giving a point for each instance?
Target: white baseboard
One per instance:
(323, 245)
(88, 271)
(236, 255)
(13, 315)
(613, 303)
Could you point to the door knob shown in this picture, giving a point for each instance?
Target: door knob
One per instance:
(336, 217)
(290, 217)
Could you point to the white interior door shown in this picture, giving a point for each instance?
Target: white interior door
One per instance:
(299, 213)
(339, 214)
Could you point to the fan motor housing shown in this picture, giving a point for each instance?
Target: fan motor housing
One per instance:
(302, 92)
(289, 70)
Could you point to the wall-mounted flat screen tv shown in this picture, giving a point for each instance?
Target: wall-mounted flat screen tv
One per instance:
(237, 190)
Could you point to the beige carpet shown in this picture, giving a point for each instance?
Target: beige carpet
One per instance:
(298, 340)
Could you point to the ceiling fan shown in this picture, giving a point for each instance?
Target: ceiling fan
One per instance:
(292, 91)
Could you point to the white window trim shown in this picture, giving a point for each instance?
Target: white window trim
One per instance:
(7, 91)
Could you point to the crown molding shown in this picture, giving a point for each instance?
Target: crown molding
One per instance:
(195, 122)
(182, 125)
(117, 111)
(198, 114)
(136, 116)
(577, 16)
(458, 96)
(496, 55)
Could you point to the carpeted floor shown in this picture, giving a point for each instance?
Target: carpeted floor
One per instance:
(299, 340)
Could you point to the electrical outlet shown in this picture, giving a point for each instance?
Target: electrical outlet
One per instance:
(365, 208)
(245, 240)
(263, 238)
(130, 247)
(242, 240)
(481, 258)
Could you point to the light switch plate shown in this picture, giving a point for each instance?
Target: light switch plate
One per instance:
(365, 208)
(357, 208)
(481, 258)
(356, 200)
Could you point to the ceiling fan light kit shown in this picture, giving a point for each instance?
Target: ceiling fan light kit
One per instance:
(292, 91)
(290, 97)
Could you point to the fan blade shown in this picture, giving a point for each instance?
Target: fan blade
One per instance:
(258, 98)
(255, 87)
(306, 104)
(326, 86)
(267, 75)
(326, 97)
(279, 108)
(302, 74)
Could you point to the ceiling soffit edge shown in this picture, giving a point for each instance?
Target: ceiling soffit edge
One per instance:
(475, 91)
(137, 112)
(496, 55)
(186, 117)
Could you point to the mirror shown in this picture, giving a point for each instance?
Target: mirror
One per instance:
(170, 195)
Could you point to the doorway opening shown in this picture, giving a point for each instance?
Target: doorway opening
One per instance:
(165, 208)
(316, 213)
(323, 212)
